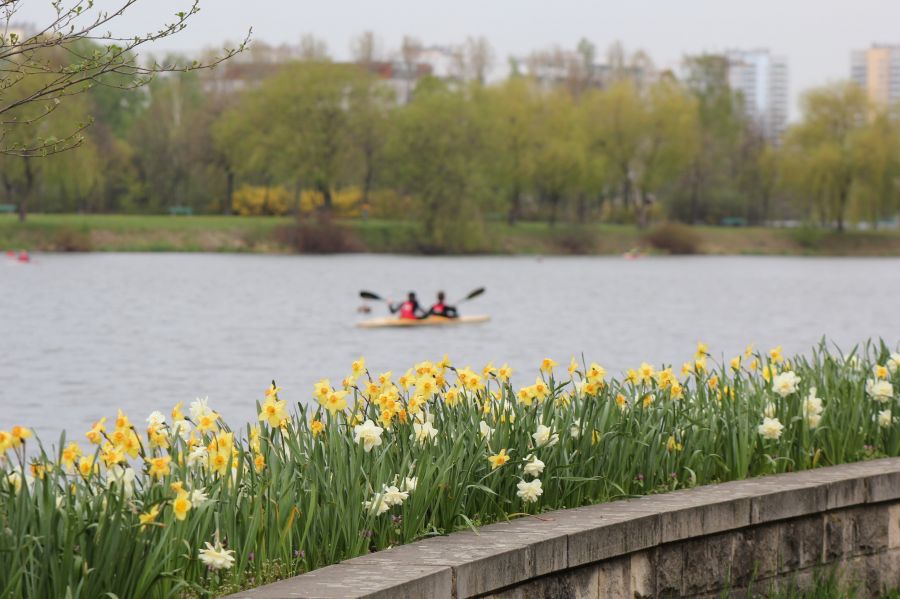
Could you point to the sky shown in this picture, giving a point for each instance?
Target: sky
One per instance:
(815, 35)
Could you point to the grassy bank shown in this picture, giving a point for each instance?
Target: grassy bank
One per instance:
(180, 505)
(156, 233)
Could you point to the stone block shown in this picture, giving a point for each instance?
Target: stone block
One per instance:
(801, 543)
(783, 503)
(705, 519)
(894, 526)
(384, 581)
(707, 562)
(481, 563)
(614, 578)
(669, 570)
(883, 486)
(838, 537)
(870, 529)
(613, 538)
(845, 492)
(643, 577)
(578, 583)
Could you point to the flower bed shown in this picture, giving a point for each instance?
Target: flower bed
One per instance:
(185, 506)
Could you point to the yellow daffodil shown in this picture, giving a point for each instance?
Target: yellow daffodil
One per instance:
(504, 372)
(645, 372)
(272, 390)
(672, 445)
(880, 372)
(259, 462)
(489, 370)
(159, 467)
(69, 455)
(317, 427)
(19, 435)
(5, 441)
(273, 411)
(631, 376)
(573, 367)
(86, 466)
(702, 350)
(541, 390)
(95, 435)
(181, 505)
(748, 351)
(358, 368)
(148, 517)
(736, 363)
(207, 421)
(547, 365)
(335, 402)
(385, 378)
(177, 414)
(498, 459)
(451, 396)
(775, 354)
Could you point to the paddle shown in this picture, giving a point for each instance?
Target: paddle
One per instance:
(371, 296)
(472, 295)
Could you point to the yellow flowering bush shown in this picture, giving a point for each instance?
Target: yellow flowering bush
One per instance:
(182, 503)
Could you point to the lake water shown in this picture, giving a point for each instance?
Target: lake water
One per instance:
(81, 335)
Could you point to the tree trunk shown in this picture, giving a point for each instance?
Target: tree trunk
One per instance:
(644, 210)
(229, 191)
(327, 203)
(514, 207)
(26, 194)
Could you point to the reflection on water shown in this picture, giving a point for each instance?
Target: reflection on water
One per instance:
(83, 334)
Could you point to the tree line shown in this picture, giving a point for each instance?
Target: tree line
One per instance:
(318, 135)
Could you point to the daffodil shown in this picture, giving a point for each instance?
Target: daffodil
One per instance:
(771, 428)
(424, 432)
(216, 557)
(317, 427)
(533, 466)
(148, 516)
(181, 505)
(775, 354)
(19, 435)
(273, 411)
(159, 467)
(544, 436)
(368, 434)
(69, 455)
(529, 492)
(358, 368)
(499, 459)
(547, 365)
(504, 372)
(335, 402)
(880, 391)
(259, 462)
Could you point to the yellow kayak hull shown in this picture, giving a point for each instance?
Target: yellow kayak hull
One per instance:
(431, 321)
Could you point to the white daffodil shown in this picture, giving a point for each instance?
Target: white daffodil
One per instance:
(770, 428)
(544, 436)
(424, 432)
(533, 466)
(368, 434)
(880, 391)
(216, 557)
(785, 383)
(530, 491)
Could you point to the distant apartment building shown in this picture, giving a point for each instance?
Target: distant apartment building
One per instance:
(762, 80)
(560, 68)
(877, 70)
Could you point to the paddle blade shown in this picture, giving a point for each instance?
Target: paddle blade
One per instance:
(474, 294)
(369, 295)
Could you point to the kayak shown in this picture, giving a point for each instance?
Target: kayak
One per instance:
(431, 321)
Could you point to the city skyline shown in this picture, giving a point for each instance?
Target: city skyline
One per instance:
(817, 38)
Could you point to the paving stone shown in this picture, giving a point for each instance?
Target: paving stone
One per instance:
(578, 583)
(383, 581)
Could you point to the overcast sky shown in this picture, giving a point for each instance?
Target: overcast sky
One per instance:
(815, 35)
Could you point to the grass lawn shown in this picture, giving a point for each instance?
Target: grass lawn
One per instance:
(75, 232)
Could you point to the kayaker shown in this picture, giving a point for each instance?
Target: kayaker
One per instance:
(442, 309)
(410, 309)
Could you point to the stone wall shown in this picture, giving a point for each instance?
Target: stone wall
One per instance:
(693, 543)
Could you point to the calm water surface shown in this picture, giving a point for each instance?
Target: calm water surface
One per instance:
(83, 334)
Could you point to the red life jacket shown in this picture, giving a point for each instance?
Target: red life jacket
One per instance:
(407, 310)
(439, 308)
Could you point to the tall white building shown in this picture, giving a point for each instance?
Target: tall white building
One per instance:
(877, 70)
(762, 80)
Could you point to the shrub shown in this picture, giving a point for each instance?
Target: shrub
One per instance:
(674, 238)
(252, 200)
(69, 239)
(319, 235)
(808, 236)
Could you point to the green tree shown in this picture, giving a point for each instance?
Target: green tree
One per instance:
(436, 156)
(43, 69)
(823, 157)
(298, 127)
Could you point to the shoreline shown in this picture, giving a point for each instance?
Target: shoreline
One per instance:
(276, 235)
